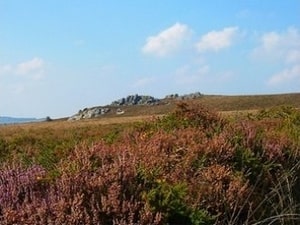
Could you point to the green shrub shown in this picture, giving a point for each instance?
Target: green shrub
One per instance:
(188, 167)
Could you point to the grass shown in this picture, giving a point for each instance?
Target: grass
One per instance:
(249, 102)
(214, 102)
(238, 166)
(66, 134)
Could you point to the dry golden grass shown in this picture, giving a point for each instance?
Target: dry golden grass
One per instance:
(62, 131)
(63, 124)
(227, 105)
(249, 102)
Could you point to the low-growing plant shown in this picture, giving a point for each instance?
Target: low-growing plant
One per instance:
(189, 167)
(3, 150)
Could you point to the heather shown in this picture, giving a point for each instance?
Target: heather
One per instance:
(191, 166)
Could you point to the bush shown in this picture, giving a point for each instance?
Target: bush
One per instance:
(189, 167)
(3, 150)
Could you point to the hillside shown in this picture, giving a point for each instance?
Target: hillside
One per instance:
(12, 120)
(249, 102)
(214, 102)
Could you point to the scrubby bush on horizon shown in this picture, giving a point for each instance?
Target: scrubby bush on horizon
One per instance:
(190, 167)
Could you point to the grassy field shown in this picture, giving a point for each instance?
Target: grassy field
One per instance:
(214, 160)
(63, 134)
(250, 102)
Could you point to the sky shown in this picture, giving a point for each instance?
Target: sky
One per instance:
(59, 56)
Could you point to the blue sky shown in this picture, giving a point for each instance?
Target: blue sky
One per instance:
(59, 56)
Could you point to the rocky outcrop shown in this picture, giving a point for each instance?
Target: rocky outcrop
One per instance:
(184, 97)
(172, 96)
(136, 100)
(95, 112)
(130, 100)
(89, 113)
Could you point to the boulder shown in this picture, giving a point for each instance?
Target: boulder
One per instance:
(89, 113)
(172, 96)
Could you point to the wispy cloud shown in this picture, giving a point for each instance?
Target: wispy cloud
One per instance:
(217, 40)
(279, 46)
(167, 41)
(33, 68)
(288, 75)
(282, 48)
(34, 65)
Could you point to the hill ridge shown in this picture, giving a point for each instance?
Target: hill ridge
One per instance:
(136, 105)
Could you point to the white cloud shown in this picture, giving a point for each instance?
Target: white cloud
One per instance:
(217, 40)
(288, 75)
(270, 41)
(282, 48)
(167, 41)
(33, 68)
(279, 46)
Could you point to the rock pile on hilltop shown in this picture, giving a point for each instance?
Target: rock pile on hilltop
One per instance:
(95, 112)
(136, 100)
(89, 113)
(184, 97)
(130, 100)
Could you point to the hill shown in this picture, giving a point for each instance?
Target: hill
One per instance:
(166, 105)
(13, 120)
(191, 166)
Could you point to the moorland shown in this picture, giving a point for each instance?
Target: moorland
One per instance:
(210, 160)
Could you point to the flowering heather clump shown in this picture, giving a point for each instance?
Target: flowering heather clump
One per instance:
(20, 187)
(189, 167)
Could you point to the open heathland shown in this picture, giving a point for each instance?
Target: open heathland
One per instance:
(188, 165)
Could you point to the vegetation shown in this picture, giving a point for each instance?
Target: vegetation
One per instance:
(192, 166)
